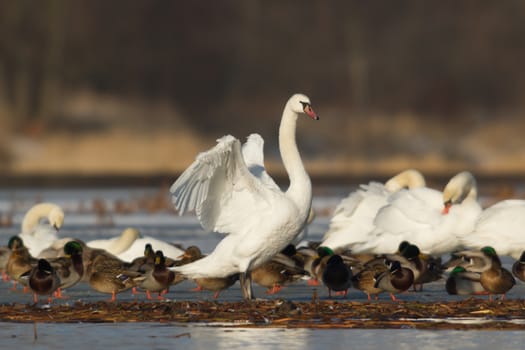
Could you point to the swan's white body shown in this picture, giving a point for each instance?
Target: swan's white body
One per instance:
(417, 216)
(38, 235)
(137, 249)
(231, 193)
(117, 245)
(353, 219)
(130, 244)
(501, 227)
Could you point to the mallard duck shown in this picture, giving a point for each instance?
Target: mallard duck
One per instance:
(308, 255)
(282, 269)
(396, 280)
(5, 253)
(70, 268)
(433, 271)
(518, 268)
(216, 284)
(143, 263)
(426, 268)
(471, 260)
(191, 254)
(337, 276)
(463, 282)
(43, 280)
(109, 275)
(496, 279)
(365, 278)
(334, 273)
(19, 262)
(159, 278)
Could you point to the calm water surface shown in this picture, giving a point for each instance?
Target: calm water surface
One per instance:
(142, 336)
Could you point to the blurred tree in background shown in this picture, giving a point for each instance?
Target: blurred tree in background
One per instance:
(225, 64)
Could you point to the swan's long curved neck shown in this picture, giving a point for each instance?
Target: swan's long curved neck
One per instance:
(122, 243)
(300, 190)
(35, 214)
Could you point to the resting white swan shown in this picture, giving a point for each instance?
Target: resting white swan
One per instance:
(354, 217)
(233, 197)
(418, 216)
(137, 249)
(501, 227)
(117, 245)
(36, 234)
(130, 244)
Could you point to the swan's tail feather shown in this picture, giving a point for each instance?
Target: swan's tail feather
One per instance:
(201, 268)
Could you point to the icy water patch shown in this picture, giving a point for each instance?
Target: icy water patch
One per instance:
(142, 336)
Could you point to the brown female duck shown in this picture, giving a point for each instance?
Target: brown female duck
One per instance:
(19, 262)
(110, 275)
(284, 268)
(496, 279)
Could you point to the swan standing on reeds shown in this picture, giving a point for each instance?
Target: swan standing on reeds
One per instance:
(232, 197)
(36, 234)
(354, 216)
(432, 220)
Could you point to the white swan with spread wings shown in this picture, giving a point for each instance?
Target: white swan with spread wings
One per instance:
(231, 193)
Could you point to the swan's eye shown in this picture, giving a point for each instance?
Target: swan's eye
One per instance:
(306, 105)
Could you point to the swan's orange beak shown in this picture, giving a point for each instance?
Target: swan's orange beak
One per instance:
(309, 110)
(446, 208)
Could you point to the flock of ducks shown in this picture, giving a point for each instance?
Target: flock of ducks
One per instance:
(382, 238)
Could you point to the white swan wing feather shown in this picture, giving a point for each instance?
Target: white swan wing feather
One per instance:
(253, 154)
(220, 188)
(354, 216)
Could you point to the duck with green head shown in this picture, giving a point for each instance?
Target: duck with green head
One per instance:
(331, 269)
(464, 282)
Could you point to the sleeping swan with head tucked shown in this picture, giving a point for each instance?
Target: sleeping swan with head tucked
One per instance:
(40, 226)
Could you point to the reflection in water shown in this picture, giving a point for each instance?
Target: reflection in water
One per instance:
(142, 336)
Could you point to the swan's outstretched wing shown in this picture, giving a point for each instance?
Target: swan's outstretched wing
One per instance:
(221, 190)
(253, 154)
